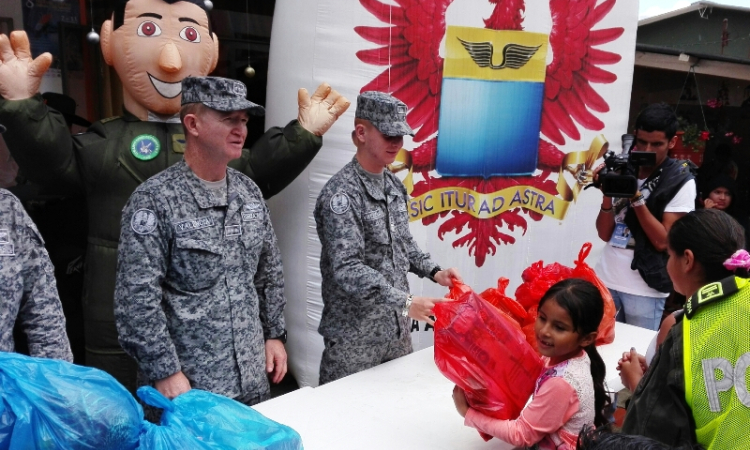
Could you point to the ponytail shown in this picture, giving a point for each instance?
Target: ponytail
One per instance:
(601, 398)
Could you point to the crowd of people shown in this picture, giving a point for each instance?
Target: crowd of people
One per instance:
(184, 263)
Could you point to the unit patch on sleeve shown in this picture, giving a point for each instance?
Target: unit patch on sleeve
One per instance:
(340, 203)
(143, 221)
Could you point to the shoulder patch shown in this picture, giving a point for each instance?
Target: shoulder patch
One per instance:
(145, 147)
(143, 221)
(340, 203)
(109, 119)
(710, 293)
(4, 236)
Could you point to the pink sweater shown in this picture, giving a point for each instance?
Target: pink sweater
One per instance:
(563, 402)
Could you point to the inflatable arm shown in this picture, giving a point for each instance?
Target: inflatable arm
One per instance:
(281, 154)
(39, 140)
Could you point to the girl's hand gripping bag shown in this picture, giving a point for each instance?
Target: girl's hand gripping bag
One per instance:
(485, 353)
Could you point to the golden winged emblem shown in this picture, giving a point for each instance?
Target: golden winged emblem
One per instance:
(515, 56)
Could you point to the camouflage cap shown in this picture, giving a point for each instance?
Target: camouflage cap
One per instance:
(221, 94)
(386, 112)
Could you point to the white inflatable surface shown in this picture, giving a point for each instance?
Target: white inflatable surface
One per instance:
(588, 56)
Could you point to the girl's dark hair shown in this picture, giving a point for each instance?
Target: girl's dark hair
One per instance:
(583, 302)
(713, 236)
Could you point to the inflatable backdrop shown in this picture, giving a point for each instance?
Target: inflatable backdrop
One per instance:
(513, 102)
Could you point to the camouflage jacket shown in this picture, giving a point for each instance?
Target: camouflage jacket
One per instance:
(28, 292)
(199, 282)
(367, 251)
(102, 165)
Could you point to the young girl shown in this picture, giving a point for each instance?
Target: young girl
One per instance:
(569, 393)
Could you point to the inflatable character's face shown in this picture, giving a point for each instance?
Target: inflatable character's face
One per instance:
(157, 46)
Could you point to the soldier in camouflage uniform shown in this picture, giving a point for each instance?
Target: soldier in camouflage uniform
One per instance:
(199, 295)
(152, 45)
(28, 292)
(367, 249)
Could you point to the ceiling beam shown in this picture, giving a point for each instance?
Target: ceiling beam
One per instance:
(702, 66)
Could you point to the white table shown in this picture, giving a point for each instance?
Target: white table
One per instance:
(403, 404)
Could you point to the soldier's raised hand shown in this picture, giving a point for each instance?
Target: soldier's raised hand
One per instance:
(20, 74)
(319, 112)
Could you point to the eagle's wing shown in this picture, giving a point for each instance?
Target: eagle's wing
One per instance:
(409, 49)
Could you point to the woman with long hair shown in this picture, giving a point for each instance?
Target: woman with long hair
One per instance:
(695, 390)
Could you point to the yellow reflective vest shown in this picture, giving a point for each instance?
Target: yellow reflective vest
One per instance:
(716, 339)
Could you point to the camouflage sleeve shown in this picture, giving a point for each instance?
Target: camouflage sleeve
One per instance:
(420, 263)
(279, 156)
(40, 142)
(141, 268)
(40, 313)
(343, 241)
(269, 284)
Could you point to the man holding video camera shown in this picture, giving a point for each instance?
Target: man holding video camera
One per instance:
(633, 263)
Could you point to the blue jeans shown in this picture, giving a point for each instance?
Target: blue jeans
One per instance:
(638, 310)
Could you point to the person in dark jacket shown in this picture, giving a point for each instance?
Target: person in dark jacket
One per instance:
(153, 45)
(602, 439)
(634, 267)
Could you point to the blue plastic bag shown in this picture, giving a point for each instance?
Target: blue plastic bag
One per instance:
(58, 405)
(221, 422)
(155, 437)
(7, 421)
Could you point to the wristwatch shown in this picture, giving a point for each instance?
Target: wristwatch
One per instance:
(281, 338)
(433, 272)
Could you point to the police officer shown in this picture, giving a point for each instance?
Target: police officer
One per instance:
(28, 293)
(696, 390)
(367, 249)
(199, 294)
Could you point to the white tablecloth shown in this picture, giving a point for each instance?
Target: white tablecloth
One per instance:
(403, 404)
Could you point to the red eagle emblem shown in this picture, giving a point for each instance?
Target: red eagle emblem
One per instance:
(408, 45)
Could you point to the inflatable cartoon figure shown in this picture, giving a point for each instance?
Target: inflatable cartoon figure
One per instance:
(153, 45)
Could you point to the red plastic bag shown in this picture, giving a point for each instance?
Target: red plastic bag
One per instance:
(497, 297)
(485, 353)
(529, 328)
(537, 279)
(582, 270)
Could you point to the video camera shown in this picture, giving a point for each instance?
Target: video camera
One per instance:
(619, 177)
